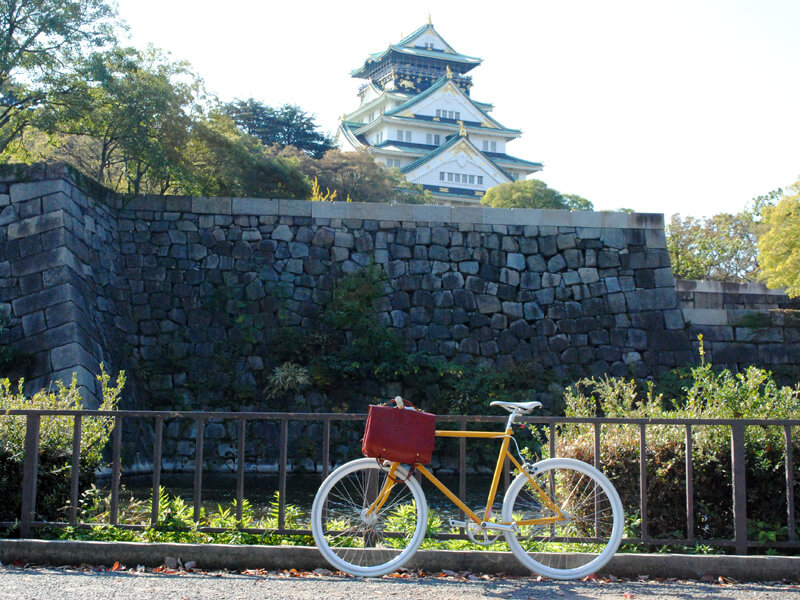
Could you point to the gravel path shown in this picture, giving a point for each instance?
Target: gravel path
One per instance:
(70, 583)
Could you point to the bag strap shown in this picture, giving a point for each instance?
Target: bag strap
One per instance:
(397, 479)
(400, 403)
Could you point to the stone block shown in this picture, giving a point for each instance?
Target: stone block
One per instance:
(46, 298)
(556, 264)
(343, 239)
(651, 299)
(488, 304)
(33, 323)
(588, 275)
(73, 355)
(36, 225)
(668, 340)
(711, 333)
(254, 206)
(758, 334)
(655, 238)
(8, 215)
(729, 353)
(21, 192)
(516, 261)
(706, 316)
(431, 214)
(212, 206)
(673, 319)
(42, 261)
(613, 238)
(294, 208)
(329, 210)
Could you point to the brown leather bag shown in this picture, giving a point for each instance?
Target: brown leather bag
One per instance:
(399, 434)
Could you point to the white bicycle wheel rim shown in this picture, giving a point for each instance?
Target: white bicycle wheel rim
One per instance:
(613, 540)
(383, 568)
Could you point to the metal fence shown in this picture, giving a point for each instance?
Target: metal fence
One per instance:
(551, 426)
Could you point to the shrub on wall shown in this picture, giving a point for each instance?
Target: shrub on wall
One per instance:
(751, 394)
(55, 444)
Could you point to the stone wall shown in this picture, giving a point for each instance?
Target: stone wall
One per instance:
(60, 263)
(725, 295)
(88, 277)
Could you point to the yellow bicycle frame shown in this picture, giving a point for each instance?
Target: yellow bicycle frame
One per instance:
(383, 495)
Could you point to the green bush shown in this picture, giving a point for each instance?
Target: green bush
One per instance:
(709, 394)
(55, 445)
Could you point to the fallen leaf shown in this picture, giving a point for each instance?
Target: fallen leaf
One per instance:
(116, 566)
(627, 595)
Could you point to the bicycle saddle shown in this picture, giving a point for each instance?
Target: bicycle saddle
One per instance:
(523, 407)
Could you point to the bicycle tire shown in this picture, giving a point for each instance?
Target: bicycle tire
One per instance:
(362, 545)
(575, 547)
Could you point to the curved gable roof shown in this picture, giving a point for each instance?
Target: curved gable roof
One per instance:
(435, 87)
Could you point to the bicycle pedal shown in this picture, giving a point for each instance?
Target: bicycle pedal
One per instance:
(460, 524)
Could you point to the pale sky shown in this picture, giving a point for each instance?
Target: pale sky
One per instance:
(689, 106)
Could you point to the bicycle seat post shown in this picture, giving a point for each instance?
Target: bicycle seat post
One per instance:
(512, 419)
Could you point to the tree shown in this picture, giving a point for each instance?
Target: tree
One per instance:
(40, 43)
(288, 125)
(722, 247)
(779, 244)
(220, 160)
(355, 175)
(126, 120)
(532, 193)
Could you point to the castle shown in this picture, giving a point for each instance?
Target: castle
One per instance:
(417, 114)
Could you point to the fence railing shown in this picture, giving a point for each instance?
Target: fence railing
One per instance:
(551, 426)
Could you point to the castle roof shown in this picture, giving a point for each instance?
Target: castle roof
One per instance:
(424, 42)
(447, 83)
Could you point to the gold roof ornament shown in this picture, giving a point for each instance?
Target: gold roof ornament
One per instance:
(429, 19)
(449, 72)
(461, 131)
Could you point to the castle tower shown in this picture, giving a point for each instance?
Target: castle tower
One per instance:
(417, 114)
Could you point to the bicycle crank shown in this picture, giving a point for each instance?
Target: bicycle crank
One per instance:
(484, 534)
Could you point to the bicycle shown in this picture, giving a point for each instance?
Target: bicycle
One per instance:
(561, 518)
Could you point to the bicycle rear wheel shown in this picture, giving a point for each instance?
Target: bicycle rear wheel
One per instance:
(586, 535)
(359, 543)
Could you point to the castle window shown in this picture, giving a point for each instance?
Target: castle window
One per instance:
(480, 179)
(432, 138)
(441, 175)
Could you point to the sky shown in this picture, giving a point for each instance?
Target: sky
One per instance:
(673, 106)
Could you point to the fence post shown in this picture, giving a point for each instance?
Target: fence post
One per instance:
(739, 488)
(30, 470)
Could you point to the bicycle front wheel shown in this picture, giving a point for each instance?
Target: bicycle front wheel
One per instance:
(356, 540)
(569, 518)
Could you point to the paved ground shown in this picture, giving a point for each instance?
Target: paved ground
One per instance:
(72, 583)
